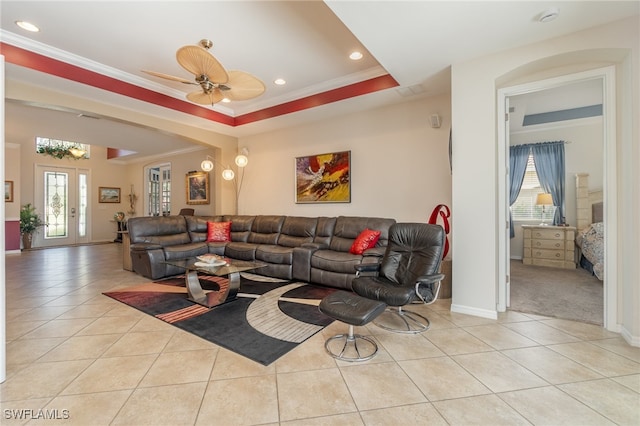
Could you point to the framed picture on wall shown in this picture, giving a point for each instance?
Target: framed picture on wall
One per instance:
(8, 191)
(198, 188)
(324, 178)
(108, 194)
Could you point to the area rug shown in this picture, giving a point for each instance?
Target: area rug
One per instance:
(269, 318)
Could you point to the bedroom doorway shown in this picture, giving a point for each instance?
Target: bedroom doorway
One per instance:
(605, 78)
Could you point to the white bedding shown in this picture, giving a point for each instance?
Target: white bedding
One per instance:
(591, 241)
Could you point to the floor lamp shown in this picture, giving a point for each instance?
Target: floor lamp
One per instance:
(228, 174)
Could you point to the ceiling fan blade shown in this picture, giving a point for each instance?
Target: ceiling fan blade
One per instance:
(243, 86)
(169, 77)
(202, 98)
(199, 62)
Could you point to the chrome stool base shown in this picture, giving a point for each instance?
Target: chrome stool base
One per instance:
(350, 351)
(399, 320)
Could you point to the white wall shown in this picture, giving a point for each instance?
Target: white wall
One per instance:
(583, 154)
(399, 164)
(474, 120)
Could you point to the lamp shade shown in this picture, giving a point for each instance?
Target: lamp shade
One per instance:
(206, 165)
(544, 199)
(241, 160)
(228, 174)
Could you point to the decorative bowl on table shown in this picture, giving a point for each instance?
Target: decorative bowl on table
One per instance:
(210, 260)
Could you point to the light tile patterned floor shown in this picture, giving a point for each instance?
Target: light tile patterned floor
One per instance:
(75, 353)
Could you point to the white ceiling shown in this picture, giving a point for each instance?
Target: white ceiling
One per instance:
(305, 42)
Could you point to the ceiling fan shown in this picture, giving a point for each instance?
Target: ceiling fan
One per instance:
(215, 81)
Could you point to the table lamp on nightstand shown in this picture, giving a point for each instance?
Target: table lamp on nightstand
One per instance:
(544, 200)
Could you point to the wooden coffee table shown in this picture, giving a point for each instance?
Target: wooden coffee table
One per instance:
(231, 269)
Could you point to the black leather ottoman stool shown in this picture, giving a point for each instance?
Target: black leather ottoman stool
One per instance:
(353, 310)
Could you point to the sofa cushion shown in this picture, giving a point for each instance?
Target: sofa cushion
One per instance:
(275, 254)
(366, 240)
(240, 226)
(348, 228)
(197, 226)
(266, 229)
(335, 261)
(218, 231)
(185, 251)
(164, 230)
(297, 231)
(241, 251)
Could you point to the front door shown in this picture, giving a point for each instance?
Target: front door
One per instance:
(61, 197)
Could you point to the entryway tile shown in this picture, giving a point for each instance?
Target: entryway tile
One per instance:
(611, 399)
(313, 393)
(164, 405)
(416, 414)
(551, 406)
(497, 372)
(441, 378)
(381, 385)
(479, 410)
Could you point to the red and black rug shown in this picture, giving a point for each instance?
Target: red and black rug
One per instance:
(269, 318)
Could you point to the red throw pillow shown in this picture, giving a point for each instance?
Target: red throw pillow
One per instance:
(218, 231)
(366, 240)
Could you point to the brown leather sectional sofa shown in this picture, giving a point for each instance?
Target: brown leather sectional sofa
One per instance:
(309, 249)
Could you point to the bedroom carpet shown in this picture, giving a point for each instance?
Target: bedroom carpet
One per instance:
(269, 318)
(572, 294)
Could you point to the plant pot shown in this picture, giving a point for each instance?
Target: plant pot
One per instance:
(27, 239)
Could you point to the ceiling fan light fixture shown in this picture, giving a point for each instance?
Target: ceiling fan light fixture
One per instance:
(28, 26)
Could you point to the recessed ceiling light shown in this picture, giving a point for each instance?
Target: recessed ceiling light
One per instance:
(28, 26)
(549, 15)
(355, 56)
(280, 81)
(226, 100)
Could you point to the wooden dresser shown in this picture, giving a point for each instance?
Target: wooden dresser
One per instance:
(552, 246)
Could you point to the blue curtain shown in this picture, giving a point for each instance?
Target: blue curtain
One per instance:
(549, 161)
(518, 156)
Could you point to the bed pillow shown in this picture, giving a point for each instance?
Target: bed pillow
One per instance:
(366, 240)
(218, 231)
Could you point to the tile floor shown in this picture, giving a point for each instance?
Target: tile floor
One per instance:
(75, 354)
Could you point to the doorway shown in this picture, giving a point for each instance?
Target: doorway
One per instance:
(62, 194)
(606, 77)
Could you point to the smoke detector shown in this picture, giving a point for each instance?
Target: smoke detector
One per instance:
(549, 15)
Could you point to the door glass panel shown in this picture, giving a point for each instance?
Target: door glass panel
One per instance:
(154, 191)
(83, 195)
(166, 192)
(56, 187)
(159, 190)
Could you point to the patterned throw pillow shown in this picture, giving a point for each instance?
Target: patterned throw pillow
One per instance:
(366, 240)
(218, 231)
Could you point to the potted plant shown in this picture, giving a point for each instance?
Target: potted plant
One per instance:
(30, 221)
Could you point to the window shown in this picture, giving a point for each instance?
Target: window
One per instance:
(43, 143)
(525, 206)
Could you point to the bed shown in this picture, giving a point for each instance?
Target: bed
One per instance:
(590, 233)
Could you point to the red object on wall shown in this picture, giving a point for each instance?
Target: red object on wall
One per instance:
(442, 211)
(12, 235)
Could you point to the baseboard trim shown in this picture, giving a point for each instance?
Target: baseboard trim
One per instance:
(630, 338)
(476, 312)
